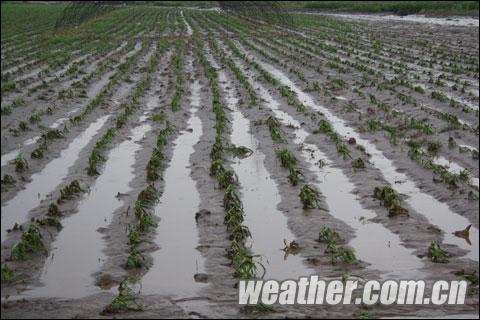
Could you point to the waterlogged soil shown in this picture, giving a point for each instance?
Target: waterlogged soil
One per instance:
(206, 286)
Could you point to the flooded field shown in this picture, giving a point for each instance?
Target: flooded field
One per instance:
(152, 157)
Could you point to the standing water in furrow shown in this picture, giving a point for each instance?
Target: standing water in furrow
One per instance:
(177, 261)
(260, 197)
(77, 252)
(16, 210)
(436, 212)
(388, 255)
(6, 158)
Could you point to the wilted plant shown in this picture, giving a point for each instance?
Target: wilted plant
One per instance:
(240, 151)
(437, 254)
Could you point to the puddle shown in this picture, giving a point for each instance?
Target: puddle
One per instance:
(453, 167)
(195, 308)
(94, 91)
(6, 158)
(260, 197)
(430, 316)
(373, 243)
(469, 147)
(448, 21)
(178, 260)
(436, 212)
(77, 251)
(16, 210)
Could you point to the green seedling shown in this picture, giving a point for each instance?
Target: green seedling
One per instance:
(309, 197)
(257, 309)
(148, 196)
(471, 277)
(434, 147)
(54, 211)
(287, 159)
(21, 164)
(135, 260)
(363, 315)
(50, 221)
(126, 299)
(52, 134)
(465, 176)
(7, 182)
(358, 164)
(154, 164)
(96, 157)
(391, 200)
(437, 254)
(31, 242)
(439, 96)
(22, 126)
(340, 254)
(34, 118)
(472, 196)
(328, 235)
(275, 131)
(133, 236)
(342, 149)
(226, 178)
(158, 117)
(475, 154)
(69, 191)
(324, 127)
(7, 274)
(241, 151)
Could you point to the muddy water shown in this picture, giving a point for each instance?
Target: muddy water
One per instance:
(94, 90)
(373, 243)
(6, 158)
(448, 21)
(16, 210)
(177, 261)
(260, 198)
(454, 167)
(77, 252)
(436, 212)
